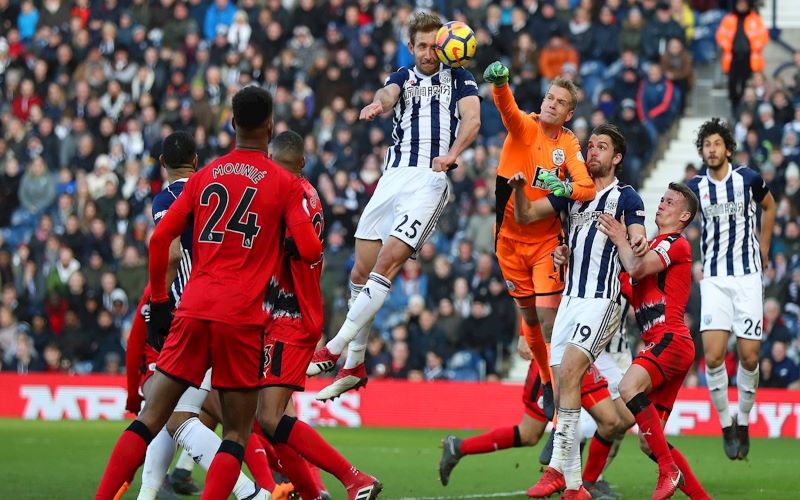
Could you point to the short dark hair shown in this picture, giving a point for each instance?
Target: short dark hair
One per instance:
(617, 139)
(689, 197)
(178, 150)
(715, 126)
(252, 106)
(287, 147)
(422, 22)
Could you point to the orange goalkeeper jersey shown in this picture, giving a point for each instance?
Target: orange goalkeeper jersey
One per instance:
(529, 150)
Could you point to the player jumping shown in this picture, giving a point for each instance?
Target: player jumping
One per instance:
(662, 279)
(539, 146)
(734, 255)
(436, 116)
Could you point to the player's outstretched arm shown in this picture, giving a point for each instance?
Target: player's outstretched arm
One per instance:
(385, 99)
(525, 210)
(518, 123)
(637, 266)
(768, 211)
(583, 188)
(469, 108)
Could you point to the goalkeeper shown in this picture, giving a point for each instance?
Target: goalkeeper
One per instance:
(550, 156)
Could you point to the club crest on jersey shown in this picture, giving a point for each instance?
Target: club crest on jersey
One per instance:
(510, 285)
(538, 183)
(648, 347)
(559, 157)
(444, 77)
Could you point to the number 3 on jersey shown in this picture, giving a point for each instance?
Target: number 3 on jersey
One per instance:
(248, 227)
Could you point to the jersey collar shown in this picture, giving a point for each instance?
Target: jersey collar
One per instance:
(607, 188)
(422, 75)
(182, 179)
(724, 179)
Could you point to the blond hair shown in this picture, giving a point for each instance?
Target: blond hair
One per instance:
(570, 86)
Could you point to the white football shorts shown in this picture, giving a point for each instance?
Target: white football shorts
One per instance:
(734, 304)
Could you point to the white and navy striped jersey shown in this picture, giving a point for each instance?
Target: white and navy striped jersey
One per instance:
(593, 268)
(161, 203)
(426, 115)
(730, 244)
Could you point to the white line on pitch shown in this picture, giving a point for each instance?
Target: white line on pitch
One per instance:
(474, 495)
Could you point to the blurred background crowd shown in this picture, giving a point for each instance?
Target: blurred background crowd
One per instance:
(88, 89)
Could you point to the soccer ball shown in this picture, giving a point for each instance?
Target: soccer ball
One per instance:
(455, 44)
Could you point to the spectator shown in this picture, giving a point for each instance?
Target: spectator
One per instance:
(774, 328)
(677, 64)
(424, 338)
(434, 367)
(554, 56)
(637, 141)
(742, 37)
(658, 31)
(630, 37)
(37, 189)
(480, 228)
(24, 359)
(784, 372)
(656, 102)
(399, 367)
(220, 14)
(10, 181)
(479, 333)
(377, 360)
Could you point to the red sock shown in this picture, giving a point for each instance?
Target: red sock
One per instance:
(306, 441)
(598, 456)
(692, 487)
(650, 428)
(255, 456)
(293, 466)
(496, 439)
(127, 456)
(224, 471)
(533, 335)
(317, 475)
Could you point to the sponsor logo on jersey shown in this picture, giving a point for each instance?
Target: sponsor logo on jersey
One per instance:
(539, 183)
(707, 319)
(724, 209)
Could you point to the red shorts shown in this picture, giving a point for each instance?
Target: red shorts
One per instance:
(594, 389)
(235, 352)
(667, 358)
(287, 355)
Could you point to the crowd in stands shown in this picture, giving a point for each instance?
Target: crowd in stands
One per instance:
(90, 87)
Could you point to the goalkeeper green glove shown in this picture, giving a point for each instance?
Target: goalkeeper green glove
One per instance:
(496, 74)
(556, 185)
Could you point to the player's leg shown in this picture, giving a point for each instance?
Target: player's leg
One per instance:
(316, 474)
(238, 410)
(129, 452)
(717, 314)
(533, 331)
(748, 314)
(159, 455)
(181, 477)
(609, 426)
(283, 429)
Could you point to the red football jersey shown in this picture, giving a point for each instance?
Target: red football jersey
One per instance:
(660, 299)
(295, 295)
(240, 204)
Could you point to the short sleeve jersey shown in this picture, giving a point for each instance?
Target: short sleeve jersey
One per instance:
(294, 294)
(659, 300)
(240, 204)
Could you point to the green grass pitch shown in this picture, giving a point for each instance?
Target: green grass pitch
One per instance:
(64, 460)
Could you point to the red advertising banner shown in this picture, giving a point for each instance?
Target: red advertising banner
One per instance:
(447, 405)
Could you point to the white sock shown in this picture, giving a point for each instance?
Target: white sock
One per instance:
(156, 462)
(572, 468)
(717, 379)
(362, 312)
(357, 348)
(565, 436)
(746, 381)
(185, 461)
(202, 444)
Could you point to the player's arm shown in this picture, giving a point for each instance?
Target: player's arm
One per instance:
(301, 230)
(518, 123)
(525, 210)
(583, 188)
(170, 228)
(469, 108)
(385, 99)
(637, 266)
(768, 211)
(175, 254)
